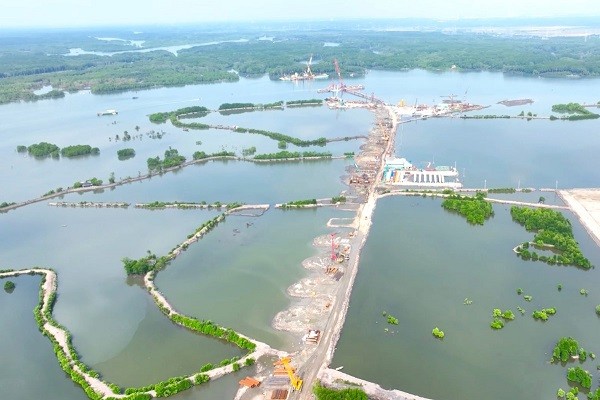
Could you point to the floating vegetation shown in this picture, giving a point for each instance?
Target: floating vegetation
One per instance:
(521, 310)
(519, 291)
(583, 292)
(528, 298)
(468, 302)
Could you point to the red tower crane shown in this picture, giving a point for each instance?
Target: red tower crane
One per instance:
(333, 256)
(336, 65)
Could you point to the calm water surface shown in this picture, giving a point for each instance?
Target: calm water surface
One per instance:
(239, 278)
(419, 265)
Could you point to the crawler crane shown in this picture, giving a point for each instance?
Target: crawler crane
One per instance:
(295, 381)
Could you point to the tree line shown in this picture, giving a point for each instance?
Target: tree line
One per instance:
(45, 149)
(22, 70)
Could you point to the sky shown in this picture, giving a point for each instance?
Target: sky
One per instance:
(67, 13)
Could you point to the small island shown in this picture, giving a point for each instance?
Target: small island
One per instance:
(553, 232)
(565, 348)
(543, 314)
(475, 209)
(125, 154)
(499, 317)
(576, 111)
(79, 150)
(45, 149)
(9, 286)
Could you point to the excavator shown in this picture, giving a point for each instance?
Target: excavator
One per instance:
(295, 381)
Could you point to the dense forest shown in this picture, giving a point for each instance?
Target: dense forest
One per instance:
(29, 61)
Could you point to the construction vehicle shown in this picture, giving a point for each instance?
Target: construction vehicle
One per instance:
(295, 381)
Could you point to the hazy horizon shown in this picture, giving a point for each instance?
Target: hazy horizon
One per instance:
(113, 13)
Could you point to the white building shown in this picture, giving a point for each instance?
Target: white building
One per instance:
(399, 171)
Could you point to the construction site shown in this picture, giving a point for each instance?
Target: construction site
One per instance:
(307, 320)
(307, 75)
(320, 299)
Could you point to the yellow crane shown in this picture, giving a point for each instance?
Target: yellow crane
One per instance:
(295, 381)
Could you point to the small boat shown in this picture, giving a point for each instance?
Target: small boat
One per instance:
(107, 112)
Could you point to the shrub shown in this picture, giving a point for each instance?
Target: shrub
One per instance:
(437, 333)
(565, 348)
(497, 323)
(581, 376)
(124, 154)
(201, 378)
(508, 314)
(323, 393)
(206, 367)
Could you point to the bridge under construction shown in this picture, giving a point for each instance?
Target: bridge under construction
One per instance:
(339, 88)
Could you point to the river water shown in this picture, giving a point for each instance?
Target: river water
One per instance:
(238, 274)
